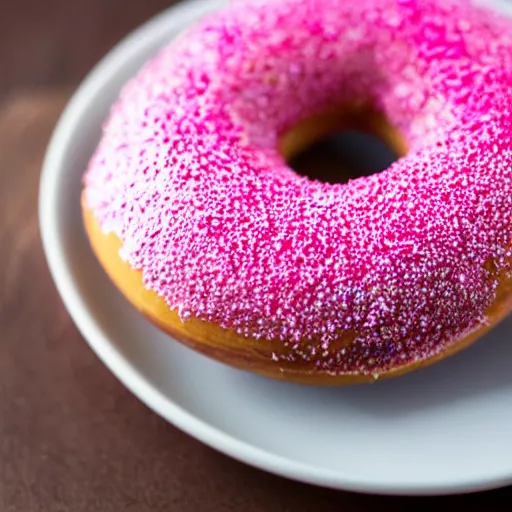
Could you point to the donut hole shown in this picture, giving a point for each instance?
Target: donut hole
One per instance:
(342, 145)
(339, 157)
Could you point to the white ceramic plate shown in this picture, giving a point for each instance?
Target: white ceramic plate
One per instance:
(442, 430)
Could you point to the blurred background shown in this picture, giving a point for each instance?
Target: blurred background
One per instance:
(54, 43)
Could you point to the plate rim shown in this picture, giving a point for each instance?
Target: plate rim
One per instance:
(96, 337)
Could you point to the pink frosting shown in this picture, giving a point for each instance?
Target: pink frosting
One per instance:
(188, 176)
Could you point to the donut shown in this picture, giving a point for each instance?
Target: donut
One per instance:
(191, 207)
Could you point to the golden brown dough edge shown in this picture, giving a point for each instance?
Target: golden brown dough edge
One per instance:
(248, 354)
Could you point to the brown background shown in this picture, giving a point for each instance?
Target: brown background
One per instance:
(71, 437)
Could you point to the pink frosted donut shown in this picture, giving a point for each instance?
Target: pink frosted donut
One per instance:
(193, 211)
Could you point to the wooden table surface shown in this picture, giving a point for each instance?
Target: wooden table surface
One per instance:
(71, 437)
